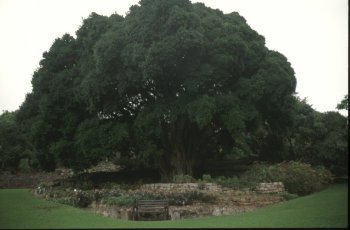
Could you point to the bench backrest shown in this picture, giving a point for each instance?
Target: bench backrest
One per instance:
(152, 204)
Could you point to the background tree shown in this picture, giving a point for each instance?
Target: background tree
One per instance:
(53, 108)
(320, 138)
(53, 113)
(13, 145)
(344, 104)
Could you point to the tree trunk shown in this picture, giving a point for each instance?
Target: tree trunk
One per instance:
(178, 139)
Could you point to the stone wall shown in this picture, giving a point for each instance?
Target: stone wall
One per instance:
(205, 210)
(112, 211)
(274, 187)
(181, 187)
(227, 202)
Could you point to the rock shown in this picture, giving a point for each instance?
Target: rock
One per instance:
(229, 211)
(217, 211)
(105, 213)
(126, 214)
(274, 187)
(174, 215)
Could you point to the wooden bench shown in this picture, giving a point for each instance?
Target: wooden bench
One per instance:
(151, 210)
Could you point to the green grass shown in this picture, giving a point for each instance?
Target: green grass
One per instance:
(327, 209)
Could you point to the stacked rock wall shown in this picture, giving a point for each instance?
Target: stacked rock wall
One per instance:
(181, 187)
(274, 187)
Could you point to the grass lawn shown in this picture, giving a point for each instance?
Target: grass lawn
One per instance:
(326, 209)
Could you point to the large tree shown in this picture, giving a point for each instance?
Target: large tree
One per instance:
(169, 85)
(189, 82)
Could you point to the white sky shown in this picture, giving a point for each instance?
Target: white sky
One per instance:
(312, 34)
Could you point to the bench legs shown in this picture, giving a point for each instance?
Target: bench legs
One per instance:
(151, 216)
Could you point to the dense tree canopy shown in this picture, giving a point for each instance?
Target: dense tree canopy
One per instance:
(169, 86)
(320, 138)
(13, 144)
(180, 76)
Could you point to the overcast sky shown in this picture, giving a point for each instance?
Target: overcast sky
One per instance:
(312, 34)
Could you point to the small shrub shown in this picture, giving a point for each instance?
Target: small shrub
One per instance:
(183, 179)
(298, 178)
(65, 200)
(24, 165)
(289, 196)
(81, 199)
(86, 185)
(234, 182)
(207, 178)
(259, 172)
(201, 197)
(324, 174)
(121, 201)
(228, 182)
(97, 195)
(179, 199)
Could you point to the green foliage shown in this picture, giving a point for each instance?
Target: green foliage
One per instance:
(207, 178)
(202, 110)
(180, 198)
(96, 140)
(24, 165)
(189, 198)
(14, 148)
(77, 198)
(229, 182)
(298, 178)
(320, 138)
(123, 200)
(324, 175)
(234, 182)
(81, 199)
(259, 172)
